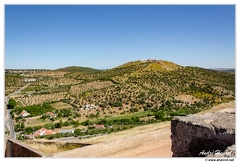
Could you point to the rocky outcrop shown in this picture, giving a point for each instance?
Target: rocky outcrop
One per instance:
(203, 135)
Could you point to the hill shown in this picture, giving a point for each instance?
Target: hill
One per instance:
(230, 70)
(152, 83)
(78, 69)
(142, 85)
(132, 94)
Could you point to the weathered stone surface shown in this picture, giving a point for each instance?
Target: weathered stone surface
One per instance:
(17, 149)
(229, 152)
(194, 135)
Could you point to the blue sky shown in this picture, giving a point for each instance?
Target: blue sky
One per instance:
(105, 36)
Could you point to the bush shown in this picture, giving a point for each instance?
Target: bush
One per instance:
(160, 115)
(78, 132)
(12, 103)
(134, 110)
(115, 104)
(50, 137)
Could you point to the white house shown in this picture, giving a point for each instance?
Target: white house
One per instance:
(66, 131)
(90, 106)
(29, 80)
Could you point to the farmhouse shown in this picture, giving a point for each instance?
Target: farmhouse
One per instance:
(24, 113)
(90, 106)
(44, 131)
(99, 126)
(66, 131)
(96, 126)
(39, 132)
(29, 80)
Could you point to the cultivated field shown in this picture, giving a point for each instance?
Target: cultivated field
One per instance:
(61, 105)
(39, 99)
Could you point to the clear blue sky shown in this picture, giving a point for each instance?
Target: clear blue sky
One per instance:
(105, 36)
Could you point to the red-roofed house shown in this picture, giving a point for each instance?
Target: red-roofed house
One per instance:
(96, 126)
(44, 131)
(39, 132)
(99, 126)
(24, 113)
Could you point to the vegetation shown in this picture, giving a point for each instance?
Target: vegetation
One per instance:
(135, 93)
(34, 110)
(12, 103)
(78, 69)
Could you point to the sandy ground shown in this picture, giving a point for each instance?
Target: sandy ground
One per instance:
(230, 104)
(153, 144)
(156, 143)
(186, 98)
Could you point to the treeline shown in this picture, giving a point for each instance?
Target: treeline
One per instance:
(113, 124)
(34, 110)
(20, 127)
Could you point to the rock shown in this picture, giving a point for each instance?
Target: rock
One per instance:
(203, 135)
(229, 152)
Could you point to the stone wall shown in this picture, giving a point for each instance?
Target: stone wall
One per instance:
(203, 135)
(17, 149)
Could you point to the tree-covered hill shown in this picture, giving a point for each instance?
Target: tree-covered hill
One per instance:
(151, 83)
(136, 86)
(78, 69)
(132, 94)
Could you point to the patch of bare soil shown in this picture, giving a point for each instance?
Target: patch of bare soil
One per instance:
(153, 144)
(61, 105)
(50, 73)
(186, 98)
(221, 106)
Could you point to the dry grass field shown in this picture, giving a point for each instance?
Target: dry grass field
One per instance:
(126, 133)
(144, 141)
(39, 99)
(35, 121)
(231, 104)
(50, 73)
(51, 147)
(61, 105)
(187, 98)
(89, 86)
